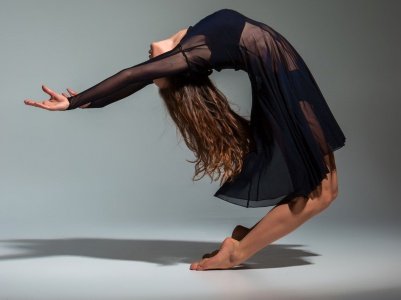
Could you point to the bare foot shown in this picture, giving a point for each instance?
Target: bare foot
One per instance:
(238, 233)
(226, 258)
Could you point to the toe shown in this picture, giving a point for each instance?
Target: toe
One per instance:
(203, 264)
(194, 266)
(199, 265)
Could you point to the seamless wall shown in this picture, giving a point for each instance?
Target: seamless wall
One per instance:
(124, 163)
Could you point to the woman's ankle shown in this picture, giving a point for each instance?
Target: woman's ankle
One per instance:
(237, 256)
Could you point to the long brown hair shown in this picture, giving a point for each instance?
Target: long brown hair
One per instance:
(217, 135)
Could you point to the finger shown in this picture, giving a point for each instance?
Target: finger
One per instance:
(65, 95)
(29, 102)
(48, 91)
(72, 92)
(40, 104)
(37, 104)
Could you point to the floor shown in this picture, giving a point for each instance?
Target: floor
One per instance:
(104, 262)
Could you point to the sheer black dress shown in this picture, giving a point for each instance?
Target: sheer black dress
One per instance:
(291, 123)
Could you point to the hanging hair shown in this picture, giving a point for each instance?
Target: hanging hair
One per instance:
(218, 136)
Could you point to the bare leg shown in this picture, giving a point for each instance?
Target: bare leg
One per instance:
(279, 221)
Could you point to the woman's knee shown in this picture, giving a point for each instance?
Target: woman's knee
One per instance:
(332, 177)
(334, 192)
(325, 200)
(334, 183)
(329, 187)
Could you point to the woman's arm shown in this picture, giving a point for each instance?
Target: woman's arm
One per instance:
(130, 80)
(118, 95)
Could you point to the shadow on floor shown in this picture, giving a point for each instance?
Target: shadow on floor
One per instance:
(162, 252)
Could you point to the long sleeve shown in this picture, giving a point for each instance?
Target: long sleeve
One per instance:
(119, 94)
(130, 80)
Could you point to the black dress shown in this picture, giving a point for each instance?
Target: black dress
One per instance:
(291, 123)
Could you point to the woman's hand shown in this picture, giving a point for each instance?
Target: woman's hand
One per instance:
(56, 101)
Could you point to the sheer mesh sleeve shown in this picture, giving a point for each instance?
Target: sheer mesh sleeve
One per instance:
(130, 80)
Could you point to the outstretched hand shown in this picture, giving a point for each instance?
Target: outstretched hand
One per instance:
(56, 101)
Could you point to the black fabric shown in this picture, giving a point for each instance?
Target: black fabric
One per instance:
(291, 123)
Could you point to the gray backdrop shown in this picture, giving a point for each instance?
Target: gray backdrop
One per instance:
(124, 164)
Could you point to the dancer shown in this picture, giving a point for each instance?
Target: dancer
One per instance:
(281, 156)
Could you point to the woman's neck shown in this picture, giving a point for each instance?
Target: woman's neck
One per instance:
(176, 38)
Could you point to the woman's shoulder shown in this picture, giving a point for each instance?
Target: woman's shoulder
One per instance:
(221, 16)
(219, 24)
(227, 11)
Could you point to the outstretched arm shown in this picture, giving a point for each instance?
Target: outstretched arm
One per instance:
(118, 95)
(130, 80)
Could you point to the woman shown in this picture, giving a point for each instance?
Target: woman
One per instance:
(281, 157)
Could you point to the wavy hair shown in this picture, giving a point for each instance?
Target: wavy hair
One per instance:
(218, 136)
